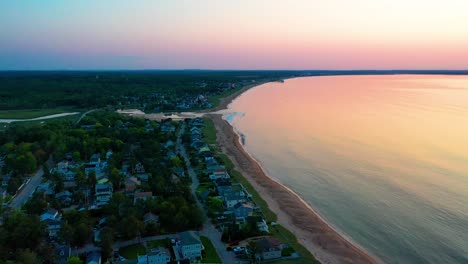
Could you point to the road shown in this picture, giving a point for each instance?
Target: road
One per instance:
(209, 230)
(84, 114)
(117, 245)
(21, 198)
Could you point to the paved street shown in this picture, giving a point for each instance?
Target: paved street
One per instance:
(209, 230)
(21, 198)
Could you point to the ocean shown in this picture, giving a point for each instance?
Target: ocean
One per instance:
(384, 159)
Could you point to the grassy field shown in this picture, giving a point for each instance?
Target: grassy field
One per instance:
(32, 113)
(209, 131)
(282, 233)
(210, 253)
(158, 243)
(132, 252)
(214, 100)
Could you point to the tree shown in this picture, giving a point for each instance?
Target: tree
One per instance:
(81, 234)
(36, 205)
(66, 233)
(92, 179)
(116, 178)
(74, 260)
(80, 178)
(28, 257)
(214, 205)
(26, 163)
(76, 156)
(107, 240)
(254, 250)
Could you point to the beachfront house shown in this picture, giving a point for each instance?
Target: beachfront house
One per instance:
(242, 210)
(259, 221)
(268, 248)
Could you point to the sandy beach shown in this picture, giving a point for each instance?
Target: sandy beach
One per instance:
(326, 244)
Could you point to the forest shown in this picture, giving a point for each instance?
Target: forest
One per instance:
(89, 89)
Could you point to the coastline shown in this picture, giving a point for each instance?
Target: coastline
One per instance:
(312, 231)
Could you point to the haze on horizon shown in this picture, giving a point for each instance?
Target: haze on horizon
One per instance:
(211, 34)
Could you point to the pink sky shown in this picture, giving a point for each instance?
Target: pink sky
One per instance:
(308, 34)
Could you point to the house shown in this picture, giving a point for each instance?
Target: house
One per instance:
(6, 179)
(63, 253)
(103, 193)
(188, 246)
(139, 168)
(168, 144)
(231, 195)
(179, 171)
(167, 127)
(142, 196)
(64, 197)
(242, 210)
(93, 258)
(261, 223)
(109, 154)
(3, 193)
(219, 173)
(46, 187)
(268, 248)
(150, 218)
(131, 184)
(50, 214)
(69, 185)
(53, 227)
(155, 256)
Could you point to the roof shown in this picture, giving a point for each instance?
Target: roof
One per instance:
(50, 211)
(189, 238)
(143, 194)
(267, 243)
(150, 217)
(245, 205)
(159, 250)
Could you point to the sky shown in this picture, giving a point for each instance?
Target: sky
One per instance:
(241, 34)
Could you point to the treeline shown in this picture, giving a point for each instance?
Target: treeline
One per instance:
(36, 90)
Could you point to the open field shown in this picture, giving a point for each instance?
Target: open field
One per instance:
(33, 113)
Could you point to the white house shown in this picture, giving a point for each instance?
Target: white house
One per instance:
(188, 246)
(155, 256)
(103, 193)
(50, 214)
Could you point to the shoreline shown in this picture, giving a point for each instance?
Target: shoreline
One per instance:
(311, 230)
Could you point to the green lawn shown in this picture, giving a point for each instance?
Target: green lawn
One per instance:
(214, 100)
(210, 253)
(133, 251)
(165, 243)
(209, 131)
(32, 113)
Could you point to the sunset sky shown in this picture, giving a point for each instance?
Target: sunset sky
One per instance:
(242, 34)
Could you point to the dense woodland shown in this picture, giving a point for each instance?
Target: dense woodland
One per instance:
(41, 90)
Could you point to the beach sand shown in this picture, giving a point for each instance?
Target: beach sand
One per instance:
(326, 244)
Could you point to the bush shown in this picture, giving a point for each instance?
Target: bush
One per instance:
(287, 252)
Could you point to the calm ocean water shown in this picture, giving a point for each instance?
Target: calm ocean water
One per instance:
(383, 158)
